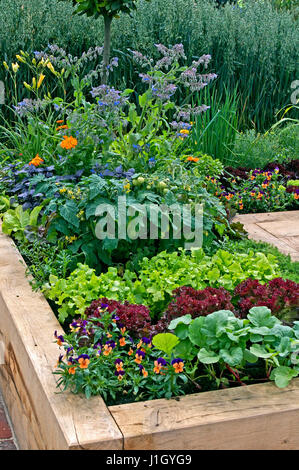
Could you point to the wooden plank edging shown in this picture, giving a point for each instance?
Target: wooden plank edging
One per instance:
(42, 418)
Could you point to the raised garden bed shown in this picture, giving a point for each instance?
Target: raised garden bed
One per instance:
(251, 417)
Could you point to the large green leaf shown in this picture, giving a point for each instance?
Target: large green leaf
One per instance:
(165, 342)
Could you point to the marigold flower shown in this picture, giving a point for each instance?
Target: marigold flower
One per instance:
(69, 142)
(65, 126)
(60, 121)
(192, 159)
(36, 161)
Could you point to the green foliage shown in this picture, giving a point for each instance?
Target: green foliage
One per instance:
(289, 269)
(253, 150)
(220, 342)
(215, 130)
(43, 260)
(163, 273)
(254, 47)
(76, 292)
(111, 8)
(17, 222)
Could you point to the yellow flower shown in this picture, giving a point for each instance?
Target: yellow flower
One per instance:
(50, 67)
(26, 85)
(40, 80)
(15, 67)
(5, 65)
(34, 83)
(21, 59)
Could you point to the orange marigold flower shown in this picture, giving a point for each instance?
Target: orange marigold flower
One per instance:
(192, 159)
(62, 127)
(36, 161)
(59, 121)
(69, 142)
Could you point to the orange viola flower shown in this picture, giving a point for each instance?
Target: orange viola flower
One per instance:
(107, 350)
(144, 373)
(69, 142)
(130, 352)
(122, 341)
(178, 365)
(109, 335)
(83, 363)
(122, 330)
(72, 370)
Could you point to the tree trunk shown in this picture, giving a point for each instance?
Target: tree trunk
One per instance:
(106, 52)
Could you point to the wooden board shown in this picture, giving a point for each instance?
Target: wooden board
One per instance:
(252, 417)
(42, 418)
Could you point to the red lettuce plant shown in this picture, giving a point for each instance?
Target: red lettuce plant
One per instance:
(198, 302)
(136, 318)
(279, 295)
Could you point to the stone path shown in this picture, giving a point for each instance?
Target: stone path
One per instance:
(7, 441)
(280, 229)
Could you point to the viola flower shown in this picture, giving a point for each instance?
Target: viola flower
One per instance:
(122, 330)
(119, 374)
(139, 356)
(69, 142)
(178, 365)
(118, 364)
(159, 364)
(72, 370)
(147, 341)
(59, 360)
(107, 350)
(83, 360)
(143, 371)
(130, 352)
(74, 327)
(122, 341)
(60, 338)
